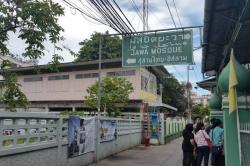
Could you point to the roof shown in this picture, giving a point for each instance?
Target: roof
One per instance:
(169, 107)
(78, 66)
(207, 84)
(226, 24)
(15, 62)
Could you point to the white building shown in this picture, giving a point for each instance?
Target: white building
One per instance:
(200, 99)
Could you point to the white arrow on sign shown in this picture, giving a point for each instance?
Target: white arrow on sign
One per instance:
(129, 60)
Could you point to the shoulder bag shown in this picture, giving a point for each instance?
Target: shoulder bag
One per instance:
(209, 142)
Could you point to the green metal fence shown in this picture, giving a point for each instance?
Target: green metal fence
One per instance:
(172, 128)
(245, 143)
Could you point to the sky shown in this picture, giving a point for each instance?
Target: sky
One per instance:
(78, 27)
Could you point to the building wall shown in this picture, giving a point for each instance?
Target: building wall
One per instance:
(41, 88)
(197, 99)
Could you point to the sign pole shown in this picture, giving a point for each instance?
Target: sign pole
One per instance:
(188, 96)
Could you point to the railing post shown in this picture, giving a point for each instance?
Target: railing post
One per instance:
(59, 140)
(96, 138)
(27, 142)
(162, 129)
(130, 132)
(1, 133)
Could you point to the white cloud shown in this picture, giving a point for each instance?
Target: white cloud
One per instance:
(197, 56)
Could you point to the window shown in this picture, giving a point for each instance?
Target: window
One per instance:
(152, 86)
(144, 83)
(58, 77)
(87, 75)
(121, 73)
(32, 79)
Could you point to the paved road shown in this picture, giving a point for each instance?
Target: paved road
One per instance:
(165, 155)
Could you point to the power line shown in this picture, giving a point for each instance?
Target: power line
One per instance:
(133, 4)
(195, 74)
(175, 27)
(170, 13)
(178, 73)
(74, 6)
(117, 21)
(181, 26)
(177, 13)
(123, 14)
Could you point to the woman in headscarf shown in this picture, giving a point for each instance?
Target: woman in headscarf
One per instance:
(188, 145)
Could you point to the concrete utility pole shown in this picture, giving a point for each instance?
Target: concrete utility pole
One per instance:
(145, 15)
(188, 88)
(99, 97)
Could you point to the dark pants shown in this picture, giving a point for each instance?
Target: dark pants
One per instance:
(187, 158)
(203, 152)
(218, 160)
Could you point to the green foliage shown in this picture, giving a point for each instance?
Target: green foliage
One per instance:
(173, 93)
(53, 65)
(115, 90)
(35, 21)
(111, 47)
(71, 113)
(200, 110)
(13, 97)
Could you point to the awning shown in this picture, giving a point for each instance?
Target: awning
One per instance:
(224, 21)
(207, 84)
(164, 106)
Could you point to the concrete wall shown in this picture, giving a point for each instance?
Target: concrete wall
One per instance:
(72, 88)
(54, 152)
(48, 157)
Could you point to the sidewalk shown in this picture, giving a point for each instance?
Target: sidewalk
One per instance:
(165, 155)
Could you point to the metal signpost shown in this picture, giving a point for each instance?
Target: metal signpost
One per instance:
(154, 49)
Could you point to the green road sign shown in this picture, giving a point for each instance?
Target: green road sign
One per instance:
(166, 48)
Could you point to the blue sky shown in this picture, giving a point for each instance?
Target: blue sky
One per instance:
(77, 28)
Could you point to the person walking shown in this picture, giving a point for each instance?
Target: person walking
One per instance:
(188, 145)
(211, 126)
(203, 150)
(217, 137)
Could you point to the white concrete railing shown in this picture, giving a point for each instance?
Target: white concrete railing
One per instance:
(20, 132)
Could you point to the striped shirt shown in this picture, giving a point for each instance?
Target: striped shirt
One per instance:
(199, 138)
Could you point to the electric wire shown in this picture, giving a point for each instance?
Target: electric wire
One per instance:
(106, 16)
(124, 15)
(80, 10)
(133, 4)
(104, 12)
(114, 15)
(177, 13)
(170, 13)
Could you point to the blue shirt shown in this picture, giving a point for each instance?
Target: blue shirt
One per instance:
(216, 135)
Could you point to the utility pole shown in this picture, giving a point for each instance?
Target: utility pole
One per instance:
(145, 15)
(99, 97)
(188, 88)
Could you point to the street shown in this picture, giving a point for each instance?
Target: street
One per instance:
(165, 155)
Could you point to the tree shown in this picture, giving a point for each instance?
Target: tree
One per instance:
(111, 47)
(115, 90)
(200, 110)
(13, 97)
(173, 93)
(34, 21)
